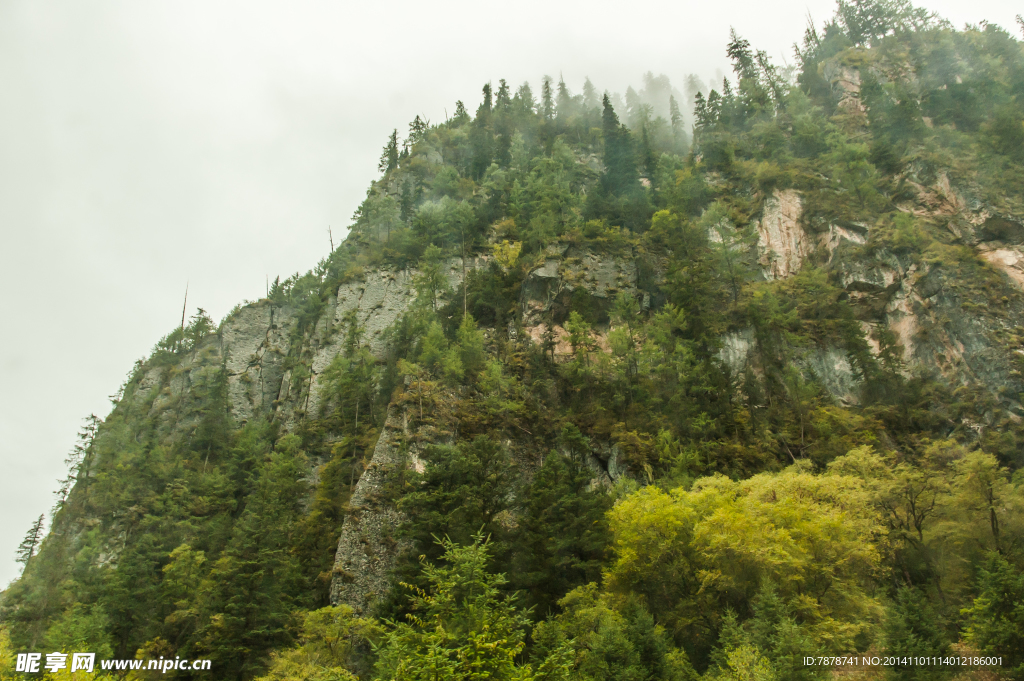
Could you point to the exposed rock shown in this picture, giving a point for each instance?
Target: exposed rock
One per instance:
(548, 290)
(255, 342)
(832, 367)
(735, 349)
(782, 242)
(1007, 259)
(368, 546)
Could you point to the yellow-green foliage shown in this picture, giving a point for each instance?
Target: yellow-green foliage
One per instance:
(695, 552)
(327, 647)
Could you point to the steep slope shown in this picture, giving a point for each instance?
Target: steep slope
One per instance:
(804, 321)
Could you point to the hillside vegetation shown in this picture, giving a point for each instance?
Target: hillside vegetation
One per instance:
(591, 393)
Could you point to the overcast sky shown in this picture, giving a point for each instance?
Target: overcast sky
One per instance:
(145, 144)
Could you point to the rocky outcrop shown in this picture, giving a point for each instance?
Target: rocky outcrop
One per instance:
(271, 367)
(254, 343)
(782, 243)
(572, 278)
(845, 83)
(368, 545)
(1007, 259)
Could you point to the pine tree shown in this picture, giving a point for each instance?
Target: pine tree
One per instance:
(676, 118)
(912, 630)
(589, 95)
(547, 104)
(77, 459)
(464, 627)
(417, 129)
(255, 586)
(647, 161)
(389, 157)
(461, 115)
(564, 532)
(620, 166)
(996, 618)
(27, 548)
(564, 100)
(502, 100)
(481, 136)
(486, 105)
(524, 101)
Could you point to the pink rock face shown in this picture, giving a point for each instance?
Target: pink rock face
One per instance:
(782, 242)
(1007, 259)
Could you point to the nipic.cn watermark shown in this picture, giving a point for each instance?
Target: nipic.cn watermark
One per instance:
(86, 662)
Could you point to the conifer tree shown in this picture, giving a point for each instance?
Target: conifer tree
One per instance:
(912, 630)
(27, 548)
(389, 157)
(620, 167)
(590, 100)
(481, 136)
(461, 115)
(564, 100)
(417, 129)
(676, 119)
(487, 104)
(564, 535)
(547, 104)
(525, 103)
(256, 585)
(502, 99)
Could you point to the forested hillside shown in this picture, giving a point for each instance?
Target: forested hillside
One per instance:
(662, 390)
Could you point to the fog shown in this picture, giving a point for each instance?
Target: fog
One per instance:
(145, 145)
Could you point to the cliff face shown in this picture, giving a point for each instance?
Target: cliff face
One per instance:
(942, 321)
(929, 307)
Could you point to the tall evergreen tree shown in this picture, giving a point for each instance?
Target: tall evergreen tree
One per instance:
(620, 174)
(676, 119)
(563, 101)
(255, 586)
(27, 548)
(389, 157)
(590, 100)
(481, 136)
(417, 129)
(547, 102)
(461, 115)
(502, 99)
(564, 532)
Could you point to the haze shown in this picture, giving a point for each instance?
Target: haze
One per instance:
(146, 144)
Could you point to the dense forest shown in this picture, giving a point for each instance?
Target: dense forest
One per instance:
(678, 390)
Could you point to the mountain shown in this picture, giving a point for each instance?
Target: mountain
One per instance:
(579, 398)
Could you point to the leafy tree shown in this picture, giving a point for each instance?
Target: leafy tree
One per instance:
(7, 657)
(719, 539)
(330, 646)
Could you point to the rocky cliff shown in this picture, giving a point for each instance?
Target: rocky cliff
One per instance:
(941, 320)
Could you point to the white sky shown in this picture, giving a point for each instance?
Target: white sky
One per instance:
(144, 144)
